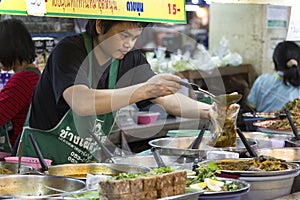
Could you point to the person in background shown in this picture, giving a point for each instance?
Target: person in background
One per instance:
(87, 78)
(271, 91)
(17, 53)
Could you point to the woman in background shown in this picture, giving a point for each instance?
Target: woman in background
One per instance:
(17, 53)
(271, 91)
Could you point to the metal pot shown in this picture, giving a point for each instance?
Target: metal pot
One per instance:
(12, 168)
(179, 146)
(81, 170)
(38, 186)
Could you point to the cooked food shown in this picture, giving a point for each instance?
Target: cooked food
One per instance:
(224, 127)
(3, 170)
(207, 180)
(158, 183)
(262, 163)
(294, 109)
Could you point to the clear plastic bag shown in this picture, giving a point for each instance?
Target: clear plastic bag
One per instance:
(224, 126)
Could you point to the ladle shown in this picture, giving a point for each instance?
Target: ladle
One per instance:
(38, 152)
(195, 144)
(157, 157)
(107, 153)
(252, 153)
(224, 99)
(295, 131)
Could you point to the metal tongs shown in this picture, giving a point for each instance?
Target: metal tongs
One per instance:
(224, 99)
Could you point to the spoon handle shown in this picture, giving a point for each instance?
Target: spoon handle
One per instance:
(38, 153)
(291, 123)
(244, 140)
(199, 138)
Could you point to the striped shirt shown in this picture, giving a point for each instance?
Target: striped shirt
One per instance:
(15, 99)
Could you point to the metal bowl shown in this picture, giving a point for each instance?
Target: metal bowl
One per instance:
(179, 146)
(294, 168)
(291, 154)
(38, 186)
(81, 170)
(149, 161)
(12, 168)
(292, 142)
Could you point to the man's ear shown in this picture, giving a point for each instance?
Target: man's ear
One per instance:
(98, 26)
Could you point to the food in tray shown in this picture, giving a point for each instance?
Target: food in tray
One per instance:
(262, 163)
(266, 115)
(5, 171)
(158, 183)
(294, 109)
(206, 179)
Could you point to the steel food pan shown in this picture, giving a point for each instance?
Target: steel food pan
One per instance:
(179, 146)
(37, 186)
(7, 168)
(294, 169)
(291, 154)
(81, 170)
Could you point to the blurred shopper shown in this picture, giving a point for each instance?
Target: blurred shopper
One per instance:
(17, 53)
(271, 91)
(89, 76)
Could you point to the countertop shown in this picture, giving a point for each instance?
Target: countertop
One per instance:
(135, 132)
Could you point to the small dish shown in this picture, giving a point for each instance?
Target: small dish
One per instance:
(147, 117)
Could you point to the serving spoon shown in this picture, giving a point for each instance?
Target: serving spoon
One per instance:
(224, 99)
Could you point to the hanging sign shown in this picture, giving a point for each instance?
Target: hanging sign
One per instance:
(141, 10)
(293, 32)
(13, 7)
(36, 7)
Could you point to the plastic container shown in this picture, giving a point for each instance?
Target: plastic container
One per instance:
(29, 161)
(214, 155)
(147, 117)
(3, 155)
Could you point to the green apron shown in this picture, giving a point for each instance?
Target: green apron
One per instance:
(7, 129)
(70, 141)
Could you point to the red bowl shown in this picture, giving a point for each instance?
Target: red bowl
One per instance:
(147, 118)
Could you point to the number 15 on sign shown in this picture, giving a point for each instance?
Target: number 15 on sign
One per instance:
(173, 9)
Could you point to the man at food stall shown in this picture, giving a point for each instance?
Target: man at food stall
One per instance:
(89, 76)
(17, 53)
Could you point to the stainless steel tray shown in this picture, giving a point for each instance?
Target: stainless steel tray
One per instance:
(291, 154)
(244, 187)
(295, 168)
(179, 146)
(187, 196)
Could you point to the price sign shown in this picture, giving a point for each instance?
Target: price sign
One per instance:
(13, 7)
(36, 7)
(141, 10)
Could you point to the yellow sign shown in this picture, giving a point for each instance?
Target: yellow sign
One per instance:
(13, 7)
(140, 10)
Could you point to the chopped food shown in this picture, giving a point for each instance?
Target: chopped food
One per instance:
(224, 127)
(207, 180)
(294, 109)
(158, 183)
(3, 170)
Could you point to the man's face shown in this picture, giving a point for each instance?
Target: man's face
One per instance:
(119, 40)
